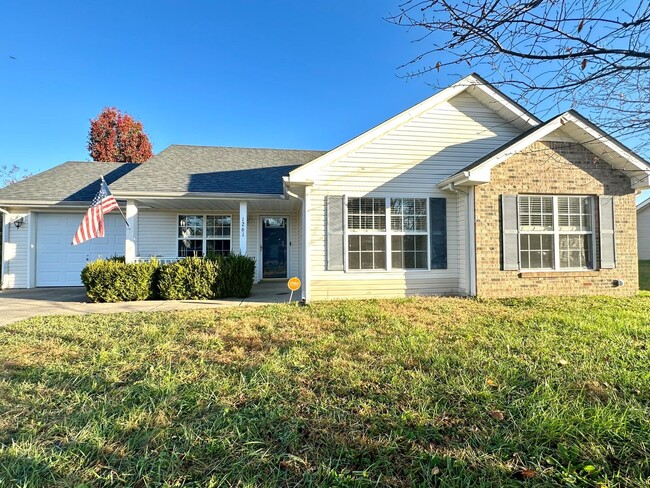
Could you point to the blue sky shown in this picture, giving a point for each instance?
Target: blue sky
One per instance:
(289, 74)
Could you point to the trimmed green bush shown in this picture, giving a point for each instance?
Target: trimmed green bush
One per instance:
(236, 276)
(189, 279)
(112, 280)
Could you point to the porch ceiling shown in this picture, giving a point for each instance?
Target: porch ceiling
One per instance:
(205, 204)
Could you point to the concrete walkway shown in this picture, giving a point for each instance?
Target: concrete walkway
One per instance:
(18, 305)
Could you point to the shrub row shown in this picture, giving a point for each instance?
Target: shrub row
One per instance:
(191, 278)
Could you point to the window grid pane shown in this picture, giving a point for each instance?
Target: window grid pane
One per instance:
(575, 251)
(408, 214)
(574, 214)
(367, 214)
(535, 213)
(366, 252)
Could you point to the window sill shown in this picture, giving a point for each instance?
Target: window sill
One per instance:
(559, 274)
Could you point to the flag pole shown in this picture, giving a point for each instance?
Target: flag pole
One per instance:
(118, 207)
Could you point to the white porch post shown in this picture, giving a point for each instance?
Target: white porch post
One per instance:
(243, 223)
(130, 249)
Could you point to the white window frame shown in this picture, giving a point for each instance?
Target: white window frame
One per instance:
(556, 233)
(387, 233)
(204, 238)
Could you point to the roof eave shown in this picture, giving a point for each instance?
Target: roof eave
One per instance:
(196, 195)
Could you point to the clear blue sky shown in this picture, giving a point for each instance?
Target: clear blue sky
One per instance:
(288, 74)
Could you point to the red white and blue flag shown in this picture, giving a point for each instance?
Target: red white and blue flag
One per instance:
(92, 224)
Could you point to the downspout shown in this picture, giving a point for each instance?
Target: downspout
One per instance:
(5, 232)
(304, 240)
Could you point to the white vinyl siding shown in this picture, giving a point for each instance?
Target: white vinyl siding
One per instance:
(16, 252)
(158, 230)
(408, 161)
(643, 230)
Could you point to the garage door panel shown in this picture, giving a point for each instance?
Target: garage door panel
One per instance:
(58, 262)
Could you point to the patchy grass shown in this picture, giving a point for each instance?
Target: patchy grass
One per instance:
(644, 275)
(424, 392)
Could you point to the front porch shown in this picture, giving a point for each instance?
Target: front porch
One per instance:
(269, 230)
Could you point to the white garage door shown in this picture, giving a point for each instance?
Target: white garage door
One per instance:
(59, 263)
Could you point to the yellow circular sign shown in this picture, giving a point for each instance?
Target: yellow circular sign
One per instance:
(294, 284)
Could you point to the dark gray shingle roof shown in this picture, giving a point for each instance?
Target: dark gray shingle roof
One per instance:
(187, 169)
(73, 181)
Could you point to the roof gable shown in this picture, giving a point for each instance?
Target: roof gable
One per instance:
(480, 89)
(578, 128)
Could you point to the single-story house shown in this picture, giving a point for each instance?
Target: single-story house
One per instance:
(643, 228)
(465, 193)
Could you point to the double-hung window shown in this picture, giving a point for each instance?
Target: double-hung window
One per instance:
(367, 233)
(379, 227)
(409, 240)
(556, 232)
(203, 235)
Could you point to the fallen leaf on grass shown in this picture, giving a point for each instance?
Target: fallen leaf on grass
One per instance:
(526, 474)
(497, 414)
(563, 362)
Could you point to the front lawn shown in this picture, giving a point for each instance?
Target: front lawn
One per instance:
(428, 391)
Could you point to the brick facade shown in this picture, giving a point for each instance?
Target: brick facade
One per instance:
(555, 168)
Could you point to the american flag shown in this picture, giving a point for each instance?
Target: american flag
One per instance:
(92, 224)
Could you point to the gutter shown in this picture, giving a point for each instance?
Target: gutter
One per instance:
(305, 238)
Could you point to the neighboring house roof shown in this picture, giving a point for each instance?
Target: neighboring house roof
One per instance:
(203, 169)
(68, 183)
(643, 205)
(579, 129)
(483, 91)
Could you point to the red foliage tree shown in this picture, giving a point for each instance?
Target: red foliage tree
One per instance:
(118, 137)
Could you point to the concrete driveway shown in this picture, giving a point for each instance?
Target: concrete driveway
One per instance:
(18, 305)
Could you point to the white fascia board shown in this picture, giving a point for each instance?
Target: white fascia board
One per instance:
(305, 173)
(527, 117)
(608, 141)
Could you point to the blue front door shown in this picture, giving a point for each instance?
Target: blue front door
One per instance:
(274, 247)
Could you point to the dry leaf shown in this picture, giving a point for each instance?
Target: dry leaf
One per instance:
(527, 473)
(563, 362)
(497, 414)
(491, 382)
(435, 471)
(584, 64)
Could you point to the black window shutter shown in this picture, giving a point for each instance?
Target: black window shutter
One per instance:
(509, 232)
(438, 232)
(335, 232)
(607, 243)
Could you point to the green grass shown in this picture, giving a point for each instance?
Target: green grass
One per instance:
(644, 275)
(413, 392)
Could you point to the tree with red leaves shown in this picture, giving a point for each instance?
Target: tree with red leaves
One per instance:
(118, 137)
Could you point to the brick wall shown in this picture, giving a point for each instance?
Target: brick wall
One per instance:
(554, 168)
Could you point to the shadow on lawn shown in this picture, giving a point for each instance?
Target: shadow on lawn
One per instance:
(101, 432)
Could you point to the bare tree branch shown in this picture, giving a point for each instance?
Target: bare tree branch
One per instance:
(589, 54)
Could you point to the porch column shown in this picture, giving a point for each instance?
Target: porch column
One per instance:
(130, 251)
(243, 224)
